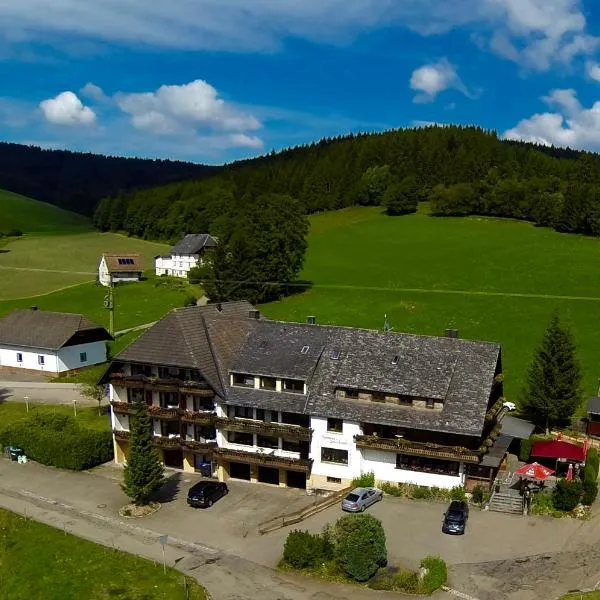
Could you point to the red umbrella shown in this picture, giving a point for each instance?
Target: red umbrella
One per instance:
(570, 472)
(534, 471)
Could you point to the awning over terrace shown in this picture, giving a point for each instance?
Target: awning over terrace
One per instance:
(559, 450)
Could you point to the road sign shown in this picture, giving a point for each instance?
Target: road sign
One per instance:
(163, 539)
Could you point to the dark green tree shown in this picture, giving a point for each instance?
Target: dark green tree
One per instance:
(553, 390)
(401, 198)
(359, 545)
(143, 473)
(373, 184)
(261, 250)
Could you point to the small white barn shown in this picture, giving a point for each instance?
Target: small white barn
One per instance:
(38, 341)
(192, 250)
(114, 268)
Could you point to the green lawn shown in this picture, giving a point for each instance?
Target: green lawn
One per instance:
(582, 596)
(86, 416)
(496, 280)
(28, 215)
(40, 264)
(37, 561)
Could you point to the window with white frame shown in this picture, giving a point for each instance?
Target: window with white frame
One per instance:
(19, 357)
(41, 359)
(334, 455)
(83, 357)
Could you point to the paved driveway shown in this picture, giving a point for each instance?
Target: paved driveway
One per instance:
(43, 392)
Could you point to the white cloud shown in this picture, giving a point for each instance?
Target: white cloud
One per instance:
(67, 109)
(569, 125)
(93, 92)
(593, 71)
(174, 109)
(536, 33)
(434, 78)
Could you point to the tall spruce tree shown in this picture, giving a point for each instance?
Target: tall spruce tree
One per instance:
(553, 391)
(143, 473)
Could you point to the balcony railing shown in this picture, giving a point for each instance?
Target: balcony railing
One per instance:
(121, 435)
(124, 408)
(430, 449)
(266, 428)
(169, 443)
(297, 464)
(200, 417)
(196, 446)
(167, 414)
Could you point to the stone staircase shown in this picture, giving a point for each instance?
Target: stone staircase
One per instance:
(507, 500)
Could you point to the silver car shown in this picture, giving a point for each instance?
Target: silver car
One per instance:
(359, 498)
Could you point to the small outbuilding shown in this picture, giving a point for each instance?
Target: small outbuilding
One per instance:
(115, 268)
(593, 412)
(52, 343)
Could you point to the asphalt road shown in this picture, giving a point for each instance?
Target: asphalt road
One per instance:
(43, 392)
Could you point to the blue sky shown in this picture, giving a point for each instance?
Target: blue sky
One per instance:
(216, 80)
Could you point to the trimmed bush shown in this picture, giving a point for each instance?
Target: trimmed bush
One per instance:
(365, 480)
(304, 550)
(566, 495)
(436, 576)
(59, 441)
(478, 495)
(359, 545)
(396, 580)
(392, 489)
(592, 463)
(458, 493)
(421, 492)
(590, 491)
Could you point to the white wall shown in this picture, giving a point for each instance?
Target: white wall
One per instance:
(177, 265)
(69, 357)
(383, 464)
(103, 274)
(322, 438)
(8, 358)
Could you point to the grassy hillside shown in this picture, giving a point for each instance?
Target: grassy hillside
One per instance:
(32, 216)
(495, 280)
(40, 264)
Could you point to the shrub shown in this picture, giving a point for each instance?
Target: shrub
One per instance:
(592, 462)
(14, 233)
(421, 492)
(359, 545)
(458, 493)
(566, 495)
(392, 489)
(478, 495)
(190, 300)
(59, 441)
(541, 504)
(365, 480)
(436, 575)
(396, 580)
(304, 550)
(590, 491)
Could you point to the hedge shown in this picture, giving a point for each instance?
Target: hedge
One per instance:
(304, 550)
(566, 495)
(59, 441)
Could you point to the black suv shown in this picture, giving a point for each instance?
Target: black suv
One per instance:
(455, 518)
(205, 493)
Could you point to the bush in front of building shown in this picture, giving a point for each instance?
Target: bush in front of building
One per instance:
(359, 545)
(305, 550)
(566, 495)
(59, 441)
(478, 495)
(458, 492)
(365, 480)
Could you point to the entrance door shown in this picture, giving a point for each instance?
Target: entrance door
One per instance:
(239, 470)
(268, 475)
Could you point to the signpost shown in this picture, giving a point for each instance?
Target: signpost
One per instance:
(109, 304)
(163, 539)
(26, 403)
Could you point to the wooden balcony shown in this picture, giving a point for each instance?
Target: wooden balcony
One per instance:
(402, 446)
(166, 414)
(123, 380)
(121, 435)
(197, 388)
(268, 460)
(200, 418)
(273, 429)
(166, 442)
(163, 384)
(124, 408)
(200, 447)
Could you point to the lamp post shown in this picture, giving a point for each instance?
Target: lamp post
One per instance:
(75, 407)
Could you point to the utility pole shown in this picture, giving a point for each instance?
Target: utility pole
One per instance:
(109, 304)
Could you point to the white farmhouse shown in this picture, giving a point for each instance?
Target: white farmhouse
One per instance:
(51, 343)
(114, 268)
(192, 250)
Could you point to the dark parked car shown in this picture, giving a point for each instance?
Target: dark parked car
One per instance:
(205, 493)
(455, 518)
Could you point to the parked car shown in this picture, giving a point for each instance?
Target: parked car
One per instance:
(205, 493)
(359, 498)
(456, 517)
(509, 406)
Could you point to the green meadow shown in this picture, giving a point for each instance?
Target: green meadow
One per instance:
(492, 279)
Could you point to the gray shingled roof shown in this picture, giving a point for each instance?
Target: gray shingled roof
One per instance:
(45, 329)
(516, 428)
(181, 339)
(192, 243)
(593, 405)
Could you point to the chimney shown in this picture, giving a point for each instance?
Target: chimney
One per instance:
(311, 320)
(452, 333)
(34, 307)
(254, 314)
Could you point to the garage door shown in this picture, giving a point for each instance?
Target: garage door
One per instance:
(296, 479)
(268, 475)
(239, 470)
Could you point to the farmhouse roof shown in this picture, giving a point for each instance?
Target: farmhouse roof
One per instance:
(119, 263)
(48, 330)
(458, 373)
(192, 243)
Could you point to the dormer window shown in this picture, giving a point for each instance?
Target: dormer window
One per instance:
(304, 350)
(335, 354)
(243, 380)
(395, 360)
